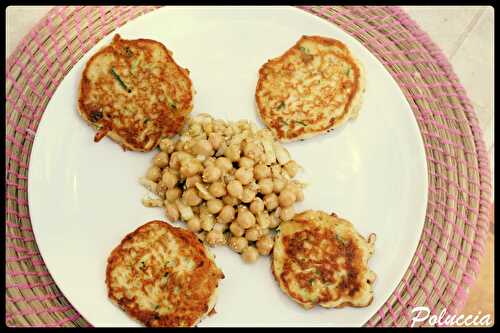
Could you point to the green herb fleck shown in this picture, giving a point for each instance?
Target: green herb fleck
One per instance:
(134, 65)
(119, 79)
(146, 120)
(283, 122)
(157, 307)
(348, 71)
(281, 105)
(171, 103)
(311, 281)
(303, 49)
(300, 122)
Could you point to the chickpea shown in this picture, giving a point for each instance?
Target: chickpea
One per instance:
(236, 229)
(160, 160)
(179, 146)
(279, 185)
(252, 234)
(266, 186)
(191, 181)
(274, 220)
(223, 163)
(215, 140)
(217, 189)
(204, 194)
(286, 198)
(250, 254)
(208, 161)
(214, 238)
(246, 162)
(172, 212)
(238, 244)
(214, 206)
(207, 222)
(264, 231)
(203, 147)
(271, 201)
(287, 213)
(233, 153)
(220, 227)
(176, 159)
(226, 214)
(245, 218)
(248, 195)
(228, 131)
(167, 145)
(264, 245)
(190, 197)
(230, 201)
(257, 206)
(190, 167)
(153, 173)
(299, 194)
(292, 168)
(195, 127)
(244, 175)
(235, 189)
(208, 127)
(173, 194)
(261, 171)
(219, 125)
(252, 150)
(264, 220)
(211, 174)
(276, 171)
(194, 224)
(169, 179)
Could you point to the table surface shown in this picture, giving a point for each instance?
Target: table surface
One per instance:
(464, 33)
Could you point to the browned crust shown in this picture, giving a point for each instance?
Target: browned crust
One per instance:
(294, 245)
(169, 122)
(195, 289)
(274, 124)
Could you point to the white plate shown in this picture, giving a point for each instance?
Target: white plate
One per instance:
(85, 197)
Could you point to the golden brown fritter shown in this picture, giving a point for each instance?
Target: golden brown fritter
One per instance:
(163, 276)
(320, 259)
(134, 92)
(313, 87)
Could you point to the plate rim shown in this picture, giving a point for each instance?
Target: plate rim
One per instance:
(420, 146)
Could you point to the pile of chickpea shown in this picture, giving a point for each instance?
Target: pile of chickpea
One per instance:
(230, 182)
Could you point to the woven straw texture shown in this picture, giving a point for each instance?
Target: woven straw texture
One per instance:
(453, 240)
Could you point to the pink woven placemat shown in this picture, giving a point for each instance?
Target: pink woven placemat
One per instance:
(453, 240)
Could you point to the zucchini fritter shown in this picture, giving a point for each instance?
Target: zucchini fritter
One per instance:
(163, 276)
(320, 259)
(312, 88)
(134, 92)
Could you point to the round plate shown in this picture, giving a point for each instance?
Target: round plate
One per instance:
(84, 197)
